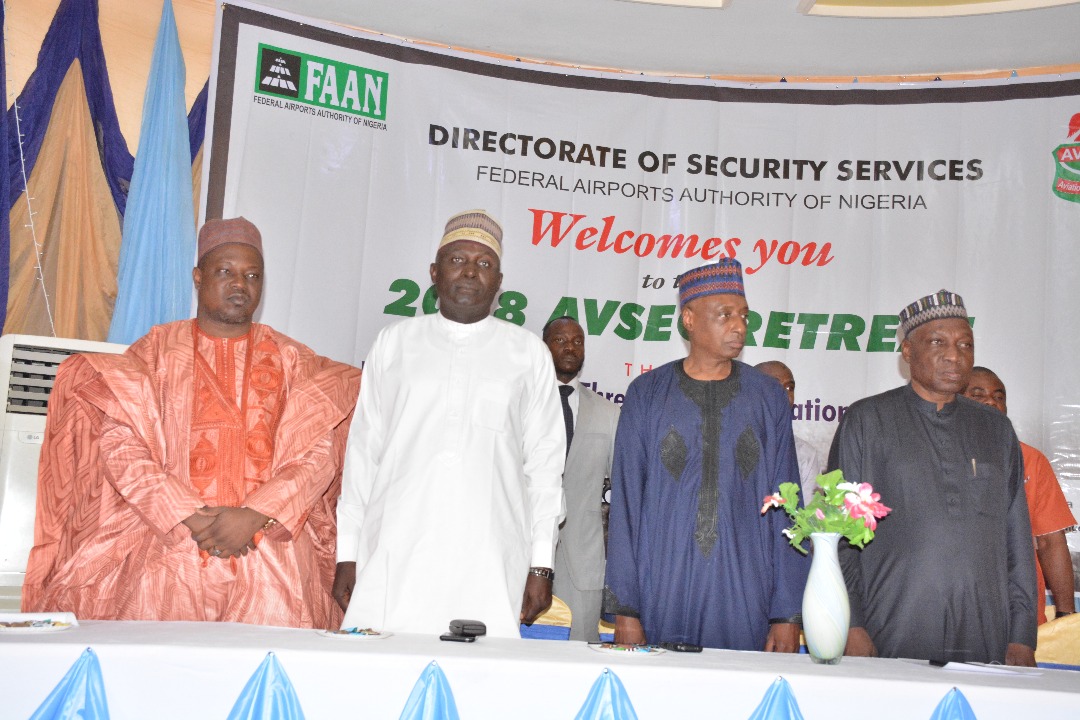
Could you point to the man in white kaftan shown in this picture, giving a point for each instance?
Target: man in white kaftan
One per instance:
(452, 486)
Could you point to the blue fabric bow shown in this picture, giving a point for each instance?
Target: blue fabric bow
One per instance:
(778, 703)
(607, 700)
(268, 695)
(80, 694)
(431, 697)
(954, 706)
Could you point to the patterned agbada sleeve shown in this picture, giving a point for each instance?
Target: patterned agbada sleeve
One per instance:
(67, 477)
(132, 463)
(157, 496)
(311, 436)
(288, 496)
(132, 446)
(622, 590)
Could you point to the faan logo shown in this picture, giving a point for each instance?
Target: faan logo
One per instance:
(278, 72)
(321, 82)
(1067, 164)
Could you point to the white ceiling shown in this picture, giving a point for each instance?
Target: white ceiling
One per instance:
(748, 37)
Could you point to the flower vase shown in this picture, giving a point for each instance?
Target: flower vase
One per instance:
(825, 609)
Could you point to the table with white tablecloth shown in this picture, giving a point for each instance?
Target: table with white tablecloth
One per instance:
(189, 670)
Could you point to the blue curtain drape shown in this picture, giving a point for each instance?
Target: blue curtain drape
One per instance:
(158, 241)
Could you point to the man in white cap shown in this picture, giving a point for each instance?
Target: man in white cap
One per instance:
(452, 487)
(193, 477)
(950, 574)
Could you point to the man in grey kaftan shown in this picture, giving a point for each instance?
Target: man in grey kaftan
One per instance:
(950, 572)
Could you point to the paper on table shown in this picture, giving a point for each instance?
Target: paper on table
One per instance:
(991, 669)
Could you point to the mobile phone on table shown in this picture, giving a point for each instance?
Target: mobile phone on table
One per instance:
(681, 647)
(454, 637)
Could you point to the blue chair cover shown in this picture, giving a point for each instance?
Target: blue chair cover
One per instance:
(80, 694)
(954, 706)
(1057, 666)
(431, 697)
(536, 631)
(778, 703)
(268, 695)
(607, 700)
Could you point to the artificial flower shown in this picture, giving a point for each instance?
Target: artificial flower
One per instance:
(772, 501)
(850, 509)
(863, 502)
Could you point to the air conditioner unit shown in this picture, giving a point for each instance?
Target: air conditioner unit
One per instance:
(27, 369)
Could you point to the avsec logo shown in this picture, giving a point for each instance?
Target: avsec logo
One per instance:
(322, 82)
(1067, 177)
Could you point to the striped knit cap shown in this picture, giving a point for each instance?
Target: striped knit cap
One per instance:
(721, 278)
(475, 225)
(942, 304)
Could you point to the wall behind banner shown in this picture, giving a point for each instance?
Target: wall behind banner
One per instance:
(843, 205)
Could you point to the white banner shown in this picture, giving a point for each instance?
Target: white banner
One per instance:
(843, 203)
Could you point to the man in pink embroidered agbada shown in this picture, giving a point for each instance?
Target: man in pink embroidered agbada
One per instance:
(195, 476)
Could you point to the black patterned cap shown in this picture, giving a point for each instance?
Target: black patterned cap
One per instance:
(940, 305)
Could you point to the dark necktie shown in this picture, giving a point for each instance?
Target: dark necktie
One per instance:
(567, 414)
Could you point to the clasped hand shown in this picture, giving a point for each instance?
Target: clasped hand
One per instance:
(225, 531)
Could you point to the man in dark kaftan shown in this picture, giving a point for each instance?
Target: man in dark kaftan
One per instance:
(950, 573)
(700, 442)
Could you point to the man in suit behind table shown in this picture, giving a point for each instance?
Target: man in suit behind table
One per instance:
(590, 439)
